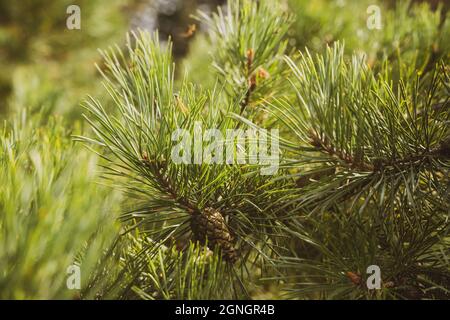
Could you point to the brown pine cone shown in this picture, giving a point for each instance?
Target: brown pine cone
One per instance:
(210, 224)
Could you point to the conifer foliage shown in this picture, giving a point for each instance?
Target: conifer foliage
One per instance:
(357, 208)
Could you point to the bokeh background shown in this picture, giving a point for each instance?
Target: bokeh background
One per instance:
(47, 69)
(45, 66)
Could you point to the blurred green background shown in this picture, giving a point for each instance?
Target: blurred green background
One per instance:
(49, 70)
(45, 66)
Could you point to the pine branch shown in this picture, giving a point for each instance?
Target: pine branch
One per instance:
(207, 224)
(248, 46)
(251, 79)
(323, 144)
(186, 199)
(157, 168)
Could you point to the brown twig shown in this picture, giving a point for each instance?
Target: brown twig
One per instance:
(324, 144)
(251, 80)
(156, 167)
(207, 224)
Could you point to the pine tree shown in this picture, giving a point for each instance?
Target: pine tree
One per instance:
(362, 182)
(364, 158)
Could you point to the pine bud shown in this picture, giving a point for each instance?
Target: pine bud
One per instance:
(354, 277)
(263, 74)
(250, 56)
(190, 31)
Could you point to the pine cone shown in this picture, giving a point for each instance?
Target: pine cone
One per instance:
(211, 225)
